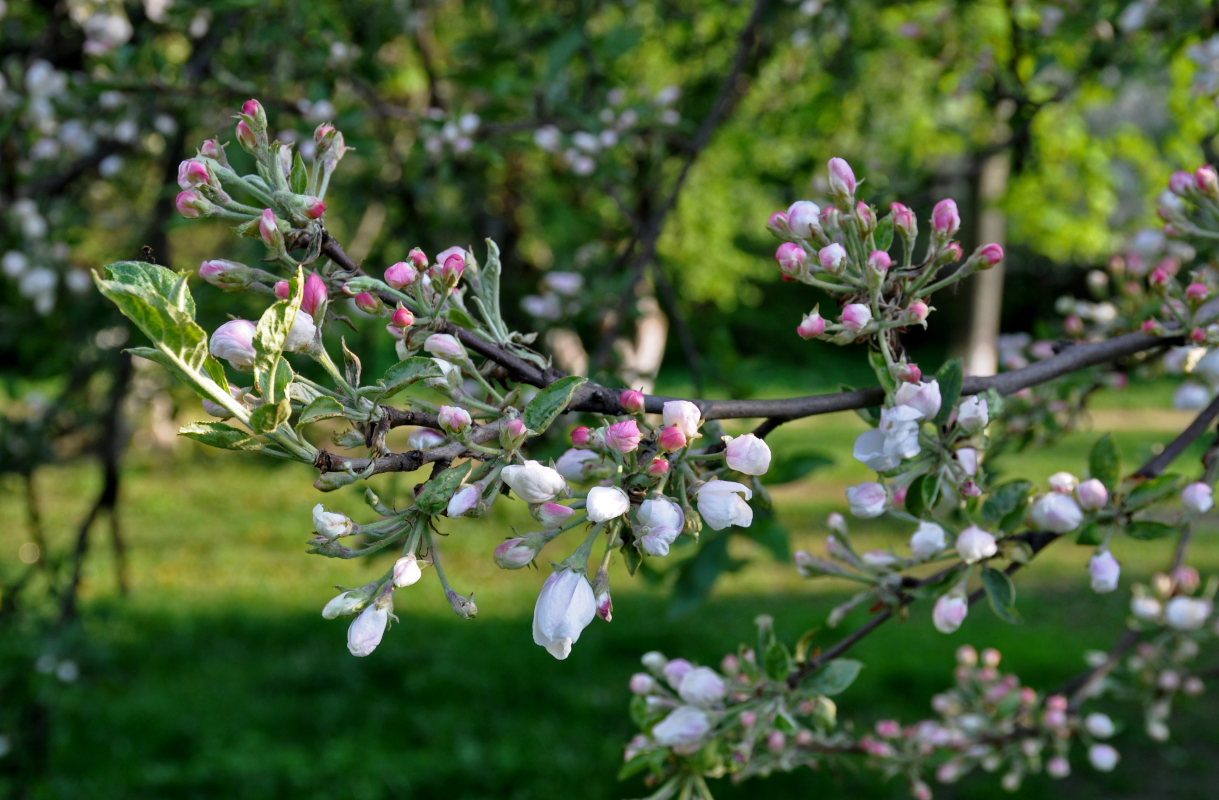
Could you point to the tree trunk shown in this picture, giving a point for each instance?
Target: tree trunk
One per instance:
(986, 290)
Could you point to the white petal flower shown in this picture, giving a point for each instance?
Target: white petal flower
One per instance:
(924, 397)
(975, 544)
(533, 482)
(578, 465)
(606, 502)
(721, 504)
(1056, 512)
(748, 454)
(366, 630)
(564, 609)
(701, 686)
(330, 524)
(927, 541)
(973, 414)
(950, 610)
(1104, 572)
(659, 523)
(867, 499)
(1187, 613)
(683, 415)
(685, 725)
(302, 333)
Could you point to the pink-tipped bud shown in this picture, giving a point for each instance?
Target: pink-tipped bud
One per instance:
(368, 302)
(903, 220)
(212, 149)
(1207, 181)
(402, 318)
(512, 434)
(313, 301)
(253, 109)
(226, 275)
(454, 419)
(1148, 326)
(1197, 335)
(970, 489)
(866, 217)
(1073, 325)
(192, 173)
(313, 208)
(246, 137)
(879, 261)
(658, 467)
(192, 205)
(321, 132)
(552, 515)
(1181, 183)
(580, 435)
(777, 224)
(623, 436)
(989, 255)
(899, 497)
(812, 326)
(917, 312)
(268, 230)
(950, 254)
(1159, 277)
(791, 258)
(909, 373)
(417, 258)
(842, 178)
(945, 220)
(832, 258)
(515, 553)
(401, 275)
(856, 316)
(776, 742)
(1196, 292)
(281, 290)
(631, 400)
(804, 219)
(671, 439)
(451, 269)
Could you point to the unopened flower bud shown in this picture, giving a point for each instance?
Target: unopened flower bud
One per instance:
(1092, 494)
(928, 541)
(402, 318)
(226, 275)
(606, 503)
(683, 415)
(812, 326)
(776, 742)
(777, 224)
(1207, 181)
(842, 179)
(1103, 757)
(945, 220)
(975, 544)
(313, 299)
(833, 258)
(642, 683)
(424, 439)
(580, 435)
(331, 524)
(512, 434)
(916, 312)
(516, 552)
(623, 436)
(1197, 497)
(234, 342)
(856, 316)
(1057, 512)
(989, 255)
(455, 419)
(1063, 482)
(950, 610)
(407, 571)
(368, 302)
(748, 454)
(658, 467)
(552, 515)
(451, 269)
(804, 219)
(631, 400)
(1196, 292)
(193, 173)
(281, 289)
(401, 275)
(446, 346)
(366, 631)
(192, 205)
(532, 482)
(879, 261)
(1104, 572)
(346, 603)
(246, 138)
(462, 606)
(791, 258)
(268, 230)
(904, 221)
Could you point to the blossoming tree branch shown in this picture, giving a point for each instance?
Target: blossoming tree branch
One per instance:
(652, 469)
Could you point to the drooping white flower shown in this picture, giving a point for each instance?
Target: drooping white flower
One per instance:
(1104, 572)
(748, 454)
(683, 415)
(564, 609)
(950, 610)
(533, 482)
(975, 544)
(685, 725)
(331, 524)
(660, 522)
(722, 503)
(606, 502)
(366, 630)
(407, 571)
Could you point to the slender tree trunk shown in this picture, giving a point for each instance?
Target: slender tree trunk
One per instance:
(986, 290)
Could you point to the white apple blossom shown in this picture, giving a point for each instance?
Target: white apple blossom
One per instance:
(564, 609)
(722, 503)
(973, 414)
(975, 544)
(1104, 572)
(1057, 512)
(928, 540)
(867, 500)
(683, 415)
(606, 503)
(533, 482)
(748, 454)
(923, 397)
(685, 725)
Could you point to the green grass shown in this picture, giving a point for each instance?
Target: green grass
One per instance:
(217, 676)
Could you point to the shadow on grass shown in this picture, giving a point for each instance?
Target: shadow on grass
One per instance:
(243, 704)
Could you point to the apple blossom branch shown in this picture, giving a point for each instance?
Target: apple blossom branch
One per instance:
(1036, 542)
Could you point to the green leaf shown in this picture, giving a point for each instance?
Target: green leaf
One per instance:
(154, 278)
(270, 335)
(914, 496)
(1003, 500)
(1090, 534)
(950, 378)
(299, 179)
(1152, 491)
(217, 434)
(269, 416)
(439, 490)
(1001, 593)
(876, 360)
(883, 235)
(804, 645)
(834, 678)
(1146, 530)
(460, 318)
(550, 402)
(1104, 463)
(930, 491)
(320, 408)
(282, 377)
(777, 662)
(406, 372)
(352, 367)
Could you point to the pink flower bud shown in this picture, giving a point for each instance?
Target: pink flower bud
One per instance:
(417, 258)
(879, 261)
(192, 173)
(281, 290)
(866, 217)
(321, 132)
(945, 220)
(856, 316)
(642, 683)
(631, 400)
(832, 258)
(1058, 767)
(314, 298)
(842, 178)
(776, 742)
(227, 275)
(253, 108)
(804, 219)
(552, 515)
(903, 220)
(445, 346)
(1197, 497)
(402, 317)
(1181, 183)
(950, 610)
(1207, 181)
(368, 302)
(1092, 494)
(1148, 326)
(246, 137)
(950, 254)
(899, 496)
(888, 728)
(909, 373)
(777, 224)
(623, 436)
(451, 269)
(917, 312)
(811, 326)
(424, 439)
(515, 553)
(512, 434)
(1196, 292)
(401, 275)
(234, 342)
(1159, 277)
(580, 435)
(791, 258)
(314, 208)
(1104, 571)
(212, 149)
(671, 439)
(268, 230)
(454, 419)
(989, 255)
(192, 205)
(1197, 335)
(658, 467)
(970, 489)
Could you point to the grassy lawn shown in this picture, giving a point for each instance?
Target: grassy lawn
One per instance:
(217, 677)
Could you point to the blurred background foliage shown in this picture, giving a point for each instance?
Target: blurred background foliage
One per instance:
(637, 146)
